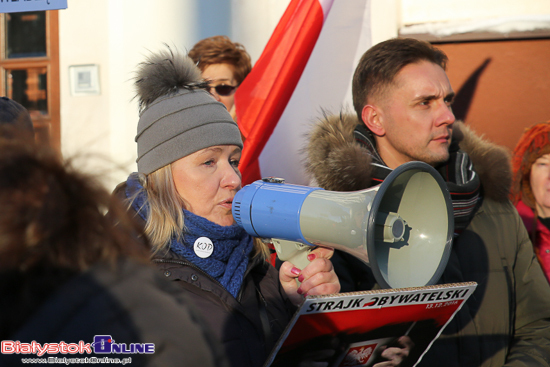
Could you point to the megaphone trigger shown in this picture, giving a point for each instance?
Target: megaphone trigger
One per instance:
(293, 252)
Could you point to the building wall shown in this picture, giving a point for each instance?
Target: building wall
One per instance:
(84, 40)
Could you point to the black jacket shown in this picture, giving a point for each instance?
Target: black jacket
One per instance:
(248, 326)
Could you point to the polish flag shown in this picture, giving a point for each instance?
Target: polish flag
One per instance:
(306, 66)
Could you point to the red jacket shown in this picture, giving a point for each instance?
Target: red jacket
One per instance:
(540, 236)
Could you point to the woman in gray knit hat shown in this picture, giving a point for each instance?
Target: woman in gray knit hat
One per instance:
(188, 154)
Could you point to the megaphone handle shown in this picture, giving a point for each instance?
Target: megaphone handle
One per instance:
(294, 252)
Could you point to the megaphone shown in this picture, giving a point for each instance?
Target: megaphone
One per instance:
(401, 228)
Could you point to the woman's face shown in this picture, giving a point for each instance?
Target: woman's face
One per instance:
(208, 180)
(221, 74)
(540, 185)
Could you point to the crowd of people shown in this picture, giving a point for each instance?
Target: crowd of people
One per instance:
(162, 261)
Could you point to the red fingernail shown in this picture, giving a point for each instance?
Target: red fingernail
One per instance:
(299, 291)
(311, 257)
(301, 278)
(295, 271)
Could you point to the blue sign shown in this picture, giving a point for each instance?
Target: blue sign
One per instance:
(14, 6)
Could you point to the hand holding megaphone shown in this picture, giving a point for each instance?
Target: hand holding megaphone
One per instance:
(402, 228)
(316, 277)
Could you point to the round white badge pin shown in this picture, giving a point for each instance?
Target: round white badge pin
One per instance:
(203, 247)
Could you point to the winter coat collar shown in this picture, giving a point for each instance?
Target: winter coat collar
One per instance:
(336, 161)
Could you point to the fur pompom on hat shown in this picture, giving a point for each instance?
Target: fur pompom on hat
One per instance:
(177, 115)
(533, 144)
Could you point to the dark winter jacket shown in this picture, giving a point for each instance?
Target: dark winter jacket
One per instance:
(507, 319)
(130, 303)
(247, 326)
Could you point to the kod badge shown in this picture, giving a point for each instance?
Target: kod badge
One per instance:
(203, 247)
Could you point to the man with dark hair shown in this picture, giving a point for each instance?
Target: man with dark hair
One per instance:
(377, 71)
(402, 97)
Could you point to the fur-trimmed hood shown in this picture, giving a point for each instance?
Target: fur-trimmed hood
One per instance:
(337, 162)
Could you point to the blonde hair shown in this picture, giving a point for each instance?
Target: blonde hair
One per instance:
(166, 219)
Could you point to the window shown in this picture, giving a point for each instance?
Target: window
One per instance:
(29, 68)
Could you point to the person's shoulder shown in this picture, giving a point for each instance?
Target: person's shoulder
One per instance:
(504, 206)
(161, 313)
(334, 159)
(135, 283)
(114, 294)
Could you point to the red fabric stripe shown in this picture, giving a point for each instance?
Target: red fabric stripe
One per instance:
(262, 97)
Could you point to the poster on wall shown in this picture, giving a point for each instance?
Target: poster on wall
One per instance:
(15, 6)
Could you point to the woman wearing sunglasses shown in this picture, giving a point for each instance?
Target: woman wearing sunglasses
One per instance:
(224, 64)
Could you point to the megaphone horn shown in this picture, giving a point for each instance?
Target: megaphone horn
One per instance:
(401, 228)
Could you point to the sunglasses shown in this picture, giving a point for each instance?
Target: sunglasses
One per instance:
(223, 90)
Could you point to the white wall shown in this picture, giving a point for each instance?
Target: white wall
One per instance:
(385, 19)
(84, 40)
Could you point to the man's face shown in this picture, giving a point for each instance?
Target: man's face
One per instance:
(415, 117)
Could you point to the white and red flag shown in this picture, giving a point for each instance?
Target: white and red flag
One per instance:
(307, 65)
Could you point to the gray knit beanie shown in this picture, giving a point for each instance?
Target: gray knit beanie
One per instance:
(177, 116)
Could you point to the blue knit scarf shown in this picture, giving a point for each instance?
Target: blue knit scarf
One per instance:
(232, 245)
